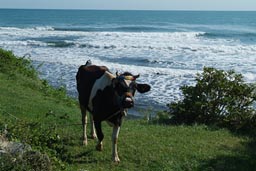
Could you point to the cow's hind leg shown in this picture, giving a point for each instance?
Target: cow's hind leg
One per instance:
(93, 133)
(100, 136)
(84, 123)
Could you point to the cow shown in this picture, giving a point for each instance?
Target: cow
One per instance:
(106, 97)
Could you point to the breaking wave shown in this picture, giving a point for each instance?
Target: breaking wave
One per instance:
(247, 37)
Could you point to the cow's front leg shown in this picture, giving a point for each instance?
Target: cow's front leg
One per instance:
(115, 134)
(100, 136)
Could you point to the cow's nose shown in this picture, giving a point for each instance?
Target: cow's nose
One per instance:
(128, 102)
(128, 99)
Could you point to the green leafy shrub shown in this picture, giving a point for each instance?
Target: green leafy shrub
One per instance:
(44, 139)
(31, 160)
(219, 98)
(11, 64)
(161, 117)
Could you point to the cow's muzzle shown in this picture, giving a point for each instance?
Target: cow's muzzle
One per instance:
(128, 101)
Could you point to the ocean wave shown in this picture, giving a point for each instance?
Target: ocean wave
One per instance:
(160, 31)
(50, 31)
(43, 28)
(143, 29)
(125, 28)
(128, 60)
(145, 62)
(75, 29)
(66, 44)
(46, 28)
(245, 37)
(60, 44)
(228, 34)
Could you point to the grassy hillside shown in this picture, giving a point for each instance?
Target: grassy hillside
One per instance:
(49, 120)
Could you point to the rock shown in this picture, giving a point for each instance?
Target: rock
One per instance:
(19, 153)
(14, 148)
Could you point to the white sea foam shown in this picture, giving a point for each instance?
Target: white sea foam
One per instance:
(46, 28)
(164, 60)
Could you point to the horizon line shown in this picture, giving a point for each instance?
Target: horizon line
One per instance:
(79, 9)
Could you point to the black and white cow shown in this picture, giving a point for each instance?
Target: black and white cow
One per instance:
(107, 97)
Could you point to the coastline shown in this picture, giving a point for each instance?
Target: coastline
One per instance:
(166, 48)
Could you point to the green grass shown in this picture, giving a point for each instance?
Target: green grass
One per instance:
(142, 146)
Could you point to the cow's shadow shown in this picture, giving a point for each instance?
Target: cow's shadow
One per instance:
(76, 153)
(80, 154)
(85, 157)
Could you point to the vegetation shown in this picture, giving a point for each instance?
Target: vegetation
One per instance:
(32, 109)
(219, 98)
(11, 65)
(48, 120)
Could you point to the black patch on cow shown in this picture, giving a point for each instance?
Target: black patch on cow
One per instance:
(104, 104)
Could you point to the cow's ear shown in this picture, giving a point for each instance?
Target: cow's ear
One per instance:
(143, 88)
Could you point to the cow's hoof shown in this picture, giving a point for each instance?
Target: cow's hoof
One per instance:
(99, 147)
(93, 136)
(116, 160)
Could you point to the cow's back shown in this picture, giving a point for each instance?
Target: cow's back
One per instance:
(86, 77)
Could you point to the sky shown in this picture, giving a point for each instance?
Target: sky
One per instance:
(133, 4)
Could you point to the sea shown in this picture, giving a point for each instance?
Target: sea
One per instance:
(167, 48)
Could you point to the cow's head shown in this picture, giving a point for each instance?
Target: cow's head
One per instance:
(125, 87)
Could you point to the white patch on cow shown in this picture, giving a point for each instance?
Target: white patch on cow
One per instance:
(100, 84)
(128, 82)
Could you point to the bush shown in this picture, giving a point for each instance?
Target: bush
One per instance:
(219, 98)
(10, 64)
(44, 139)
(31, 160)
